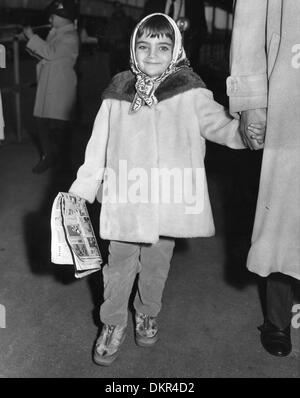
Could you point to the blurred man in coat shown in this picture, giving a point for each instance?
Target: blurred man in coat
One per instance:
(56, 80)
(264, 86)
(194, 11)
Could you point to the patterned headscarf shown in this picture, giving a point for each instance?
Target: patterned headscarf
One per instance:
(145, 85)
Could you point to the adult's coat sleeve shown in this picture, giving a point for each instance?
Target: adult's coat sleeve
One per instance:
(66, 47)
(247, 86)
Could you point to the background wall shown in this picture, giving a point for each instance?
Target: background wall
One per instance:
(133, 8)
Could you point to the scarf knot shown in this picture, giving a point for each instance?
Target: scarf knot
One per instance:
(145, 87)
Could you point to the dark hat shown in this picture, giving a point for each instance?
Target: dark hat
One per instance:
(64, 8)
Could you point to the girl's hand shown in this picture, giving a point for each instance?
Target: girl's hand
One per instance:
(252, 117)
(257, 132)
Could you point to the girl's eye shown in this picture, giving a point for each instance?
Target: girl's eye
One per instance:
(164, 48)
(142, 47)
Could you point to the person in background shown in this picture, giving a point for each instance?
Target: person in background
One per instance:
(192, 10)
(264, 87)
(154, 118)
(56, 81)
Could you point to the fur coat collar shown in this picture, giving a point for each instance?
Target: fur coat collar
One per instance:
(122, 86)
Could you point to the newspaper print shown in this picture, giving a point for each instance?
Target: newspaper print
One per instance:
(73, 239)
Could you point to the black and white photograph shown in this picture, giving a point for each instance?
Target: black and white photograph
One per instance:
(174, 126)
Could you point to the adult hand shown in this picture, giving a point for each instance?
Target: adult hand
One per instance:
(28, 32)
(252, 116)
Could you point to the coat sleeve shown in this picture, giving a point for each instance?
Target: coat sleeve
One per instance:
(65, 46)
(215, 122)
(247, 85)
(90, 174)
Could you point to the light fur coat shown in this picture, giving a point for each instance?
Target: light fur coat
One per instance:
(171, 135)
(56, 77)
(265, 72)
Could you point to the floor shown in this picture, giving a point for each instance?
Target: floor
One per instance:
(211, 307)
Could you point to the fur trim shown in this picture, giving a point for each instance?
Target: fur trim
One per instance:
(122, 86)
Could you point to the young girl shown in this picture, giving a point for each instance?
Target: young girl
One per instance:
(148, 145)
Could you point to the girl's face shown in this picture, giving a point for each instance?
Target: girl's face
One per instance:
(153, 54)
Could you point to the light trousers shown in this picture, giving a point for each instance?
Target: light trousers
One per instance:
(125, 261)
